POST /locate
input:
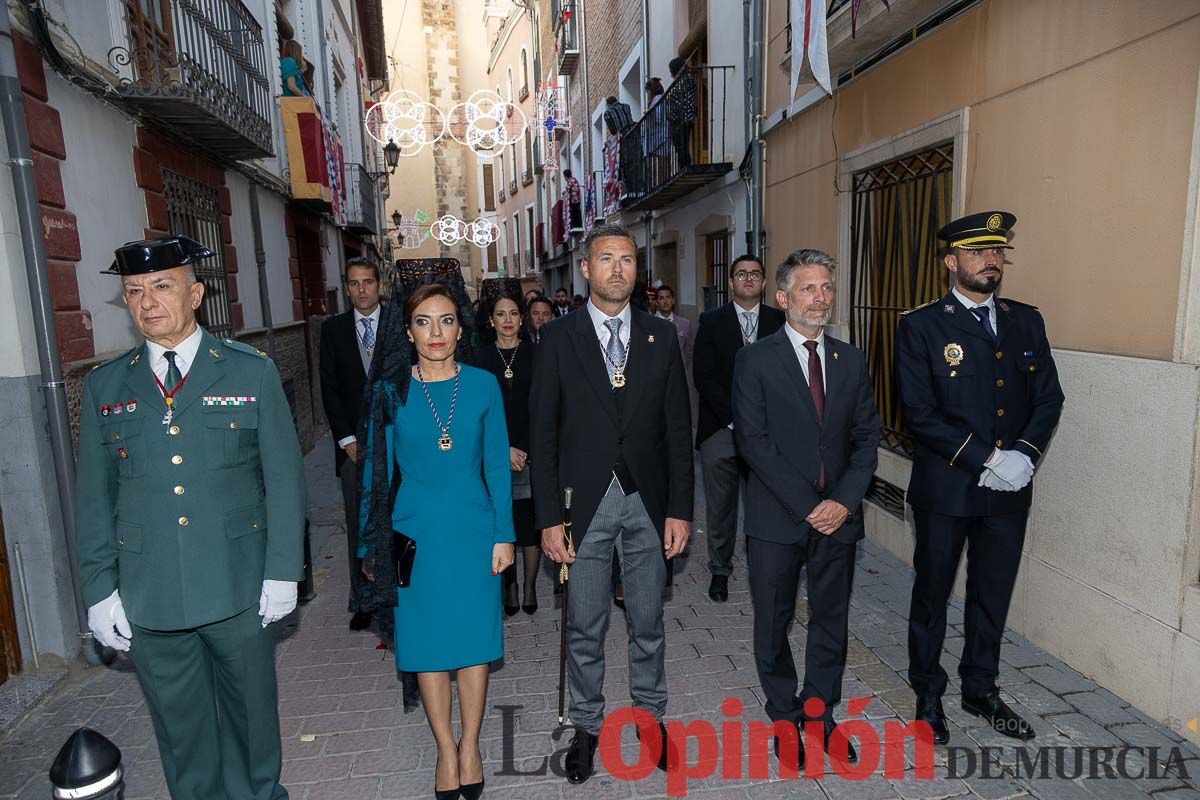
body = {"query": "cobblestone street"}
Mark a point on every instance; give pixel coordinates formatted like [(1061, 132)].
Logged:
[(345, 734)]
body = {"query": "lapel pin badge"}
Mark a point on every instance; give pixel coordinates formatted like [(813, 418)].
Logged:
[(1003, 305), (118, 408), (948, 308), (650, 338), (122, 452), (212, 352), (105, 410), (131, 406), (835, 355)]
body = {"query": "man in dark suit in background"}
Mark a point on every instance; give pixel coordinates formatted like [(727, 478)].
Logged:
[(613, 421), (805, 421), (722, 332), (981, 397), (347, 346)]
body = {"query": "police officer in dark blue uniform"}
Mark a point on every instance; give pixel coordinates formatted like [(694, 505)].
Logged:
[(981, 398)]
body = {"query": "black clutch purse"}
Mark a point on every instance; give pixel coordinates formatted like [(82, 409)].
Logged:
[(404, 550)]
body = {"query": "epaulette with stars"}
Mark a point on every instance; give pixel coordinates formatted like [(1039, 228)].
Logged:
[(244, 348)]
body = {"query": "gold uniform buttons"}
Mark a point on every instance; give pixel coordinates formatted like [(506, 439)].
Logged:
[(183, 521), (176, 459), (255, 526), (120, 542), (999, 443), (233, 426), (179, 490), (116, 437), (1000, 383), (999, 412), (1032, 368), (999, 355), (173, 430), (953, 373)]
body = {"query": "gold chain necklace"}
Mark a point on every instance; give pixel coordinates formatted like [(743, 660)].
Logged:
[(508, 370)]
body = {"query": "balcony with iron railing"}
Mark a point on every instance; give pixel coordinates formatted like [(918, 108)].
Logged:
[(566, 35), (361, 208), (680, 143), (199, 68)]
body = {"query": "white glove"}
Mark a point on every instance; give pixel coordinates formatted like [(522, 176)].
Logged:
[(989, 480), (1011, 467), (278, 599), (109, 624)]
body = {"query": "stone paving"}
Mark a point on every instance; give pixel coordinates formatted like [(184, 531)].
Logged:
[(345, 734)]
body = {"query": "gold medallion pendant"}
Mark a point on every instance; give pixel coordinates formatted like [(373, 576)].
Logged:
[(508, 373), (618, 379), (445, 442)]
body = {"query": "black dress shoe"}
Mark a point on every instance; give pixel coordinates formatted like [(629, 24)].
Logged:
[(360, 621), (718, 588), (446, 794), (530, 606), (472, 791), (929, 709), (851, 753), (1002, 718), (668, 753), (581, 756), (799, 749)]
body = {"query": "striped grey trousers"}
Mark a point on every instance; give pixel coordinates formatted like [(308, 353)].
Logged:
[(621, 520)]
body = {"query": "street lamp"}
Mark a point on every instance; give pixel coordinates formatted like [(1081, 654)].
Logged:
[(397, 218), (391, 158)]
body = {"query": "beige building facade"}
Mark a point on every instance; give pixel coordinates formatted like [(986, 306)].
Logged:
[(1081, 118)]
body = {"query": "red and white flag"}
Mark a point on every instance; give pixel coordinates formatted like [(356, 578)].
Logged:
[(809, 38)]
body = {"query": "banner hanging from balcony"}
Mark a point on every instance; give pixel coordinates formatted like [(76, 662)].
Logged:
[(810, 39), (612, 176), (313, 153)]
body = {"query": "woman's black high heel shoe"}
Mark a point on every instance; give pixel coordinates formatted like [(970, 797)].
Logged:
[(472, 791), (448, 794), (510, 599), (528, 606)]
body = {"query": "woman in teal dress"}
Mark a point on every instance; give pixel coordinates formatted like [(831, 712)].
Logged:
[(449, 444)]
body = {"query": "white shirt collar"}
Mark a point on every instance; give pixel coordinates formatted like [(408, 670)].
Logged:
[(599, 318), (660, 315), (739, 310), (185, 354), (373, 316), (969, 303), (798, 339)]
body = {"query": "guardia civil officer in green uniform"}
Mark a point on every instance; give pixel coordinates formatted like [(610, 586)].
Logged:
[(190, 520), (981, 398)]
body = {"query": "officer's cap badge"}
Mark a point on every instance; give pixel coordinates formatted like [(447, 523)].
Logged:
[(953, 354), (948, 308)]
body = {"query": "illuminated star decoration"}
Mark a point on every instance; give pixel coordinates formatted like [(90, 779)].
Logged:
[(404, 118)]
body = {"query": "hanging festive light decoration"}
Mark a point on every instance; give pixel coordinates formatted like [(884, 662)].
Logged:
[(553, 121), (487, 123), (450, 230), (405, 119)]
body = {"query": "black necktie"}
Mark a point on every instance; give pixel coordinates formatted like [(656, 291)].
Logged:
[(985, 319), (173, 374)]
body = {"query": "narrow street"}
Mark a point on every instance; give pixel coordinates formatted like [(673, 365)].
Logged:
[(345, 734)]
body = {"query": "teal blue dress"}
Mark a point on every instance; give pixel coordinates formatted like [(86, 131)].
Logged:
[(456, 504)]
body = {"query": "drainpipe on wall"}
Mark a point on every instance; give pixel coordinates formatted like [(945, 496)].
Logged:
[(754, 100), (538, 169), (12, 110), (260, 261)]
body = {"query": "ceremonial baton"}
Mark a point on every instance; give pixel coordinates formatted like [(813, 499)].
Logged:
[(564, 575)]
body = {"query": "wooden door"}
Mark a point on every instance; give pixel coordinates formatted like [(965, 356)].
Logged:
[(10, 646)]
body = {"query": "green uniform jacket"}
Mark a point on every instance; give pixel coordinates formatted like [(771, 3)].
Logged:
[(187, 520)]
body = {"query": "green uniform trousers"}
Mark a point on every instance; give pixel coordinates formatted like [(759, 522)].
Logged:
[(212, 696)]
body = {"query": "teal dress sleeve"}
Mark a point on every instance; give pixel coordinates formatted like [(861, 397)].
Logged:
[(366, 467), (497, 470)]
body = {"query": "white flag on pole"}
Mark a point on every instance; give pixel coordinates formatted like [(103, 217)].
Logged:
[(809, 37)]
